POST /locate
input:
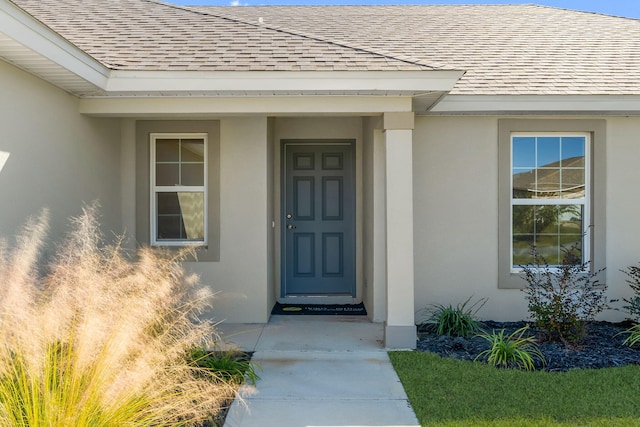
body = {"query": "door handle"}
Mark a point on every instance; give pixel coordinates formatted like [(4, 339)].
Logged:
[(290, 227)]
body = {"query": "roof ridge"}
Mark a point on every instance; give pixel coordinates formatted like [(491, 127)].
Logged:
[(382, 53)]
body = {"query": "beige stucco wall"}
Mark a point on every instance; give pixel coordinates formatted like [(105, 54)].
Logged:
[(456, 210), (240, 278), (57, 158), (623, 201)]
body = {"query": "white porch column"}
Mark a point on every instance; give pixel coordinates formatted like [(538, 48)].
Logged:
[(400, 329)]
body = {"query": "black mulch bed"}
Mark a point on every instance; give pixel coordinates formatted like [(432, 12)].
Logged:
[(602, 347)]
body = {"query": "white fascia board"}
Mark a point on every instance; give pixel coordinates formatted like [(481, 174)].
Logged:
[(479, 104), (272, 106), (286, 81), (26, 30)]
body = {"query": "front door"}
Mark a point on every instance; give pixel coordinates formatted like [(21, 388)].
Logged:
[(318, 255)]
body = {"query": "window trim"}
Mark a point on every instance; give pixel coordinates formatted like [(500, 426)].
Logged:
[(597, 130), (585, 201), (155, 189)]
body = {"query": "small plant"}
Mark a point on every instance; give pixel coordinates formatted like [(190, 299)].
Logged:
[(456, 321), (633, 307), (633, 335), (514, 350), (230, 366), (563, 299)]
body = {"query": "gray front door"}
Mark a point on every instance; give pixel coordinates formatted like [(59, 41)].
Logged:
[(318, 225)]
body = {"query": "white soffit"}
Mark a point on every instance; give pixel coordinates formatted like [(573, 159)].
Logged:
[(533, 104), (34, 47)]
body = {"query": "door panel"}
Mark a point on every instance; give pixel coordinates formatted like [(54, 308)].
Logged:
[(319, 219)]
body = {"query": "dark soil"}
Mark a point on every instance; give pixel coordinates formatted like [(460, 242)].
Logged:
[(601, 348)]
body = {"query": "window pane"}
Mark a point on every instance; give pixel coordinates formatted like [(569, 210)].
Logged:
[(548, 183), (549, 249), (193, 174), (573, 149), (167, 150), (524, 152), (170, 227), (524, 184), (522, 249), (168, 204), (548, 152), (192, 150), (168, 174), (180, 216), (523, 220)]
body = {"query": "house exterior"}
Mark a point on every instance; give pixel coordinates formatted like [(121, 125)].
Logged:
[(399, 156)]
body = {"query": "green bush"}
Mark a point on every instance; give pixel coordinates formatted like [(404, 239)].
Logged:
[(98, 339), (235, 367), (456, 321), (514, 350), (563, 299)]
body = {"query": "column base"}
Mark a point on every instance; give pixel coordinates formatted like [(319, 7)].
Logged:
[(400, 337)]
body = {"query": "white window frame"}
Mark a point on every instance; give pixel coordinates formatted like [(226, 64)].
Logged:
[(155, 189), (584, 201)]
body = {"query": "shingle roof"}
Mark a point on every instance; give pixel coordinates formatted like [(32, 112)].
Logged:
[(505, 49), (149, 35)]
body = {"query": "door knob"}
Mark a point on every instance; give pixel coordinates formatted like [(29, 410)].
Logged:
[(290, 227)]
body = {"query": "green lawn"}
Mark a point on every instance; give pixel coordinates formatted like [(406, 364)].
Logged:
[(446, 392)]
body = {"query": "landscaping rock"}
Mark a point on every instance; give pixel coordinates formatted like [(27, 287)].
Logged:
[(601, 348)]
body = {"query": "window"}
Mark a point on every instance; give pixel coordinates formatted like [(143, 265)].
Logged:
[(549, 196), (551, 193), (178, 189)]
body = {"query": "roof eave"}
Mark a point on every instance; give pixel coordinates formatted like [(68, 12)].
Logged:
[(279, 82), (588, 104), (34, 47)]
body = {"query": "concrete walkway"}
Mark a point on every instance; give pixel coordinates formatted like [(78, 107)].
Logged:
[(318, 371)]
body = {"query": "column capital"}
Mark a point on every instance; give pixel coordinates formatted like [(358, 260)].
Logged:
[(398, 121)]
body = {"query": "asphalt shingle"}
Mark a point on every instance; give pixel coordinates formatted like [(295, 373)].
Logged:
[(504, 49), (148, 35)]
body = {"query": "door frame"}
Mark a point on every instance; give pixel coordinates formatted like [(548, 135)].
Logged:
[(316, 299)]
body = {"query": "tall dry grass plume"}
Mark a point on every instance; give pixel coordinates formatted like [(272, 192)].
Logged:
[(100, 339)]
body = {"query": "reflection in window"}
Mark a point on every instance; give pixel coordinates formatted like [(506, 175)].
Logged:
[(549, 195), (178, 189)]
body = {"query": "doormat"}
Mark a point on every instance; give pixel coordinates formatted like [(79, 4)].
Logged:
[(330, 309)]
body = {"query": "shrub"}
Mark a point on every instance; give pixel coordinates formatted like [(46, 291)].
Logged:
[(235, 367), (98, 340), (563, 299), (514, 350), (633, 307), (455, 321)]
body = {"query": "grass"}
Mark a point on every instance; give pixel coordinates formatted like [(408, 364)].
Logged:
[(100, 338), (447, 392)]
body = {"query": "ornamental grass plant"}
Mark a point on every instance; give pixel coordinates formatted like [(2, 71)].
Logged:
[(458, 321), (513, 350), (99, 338)]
